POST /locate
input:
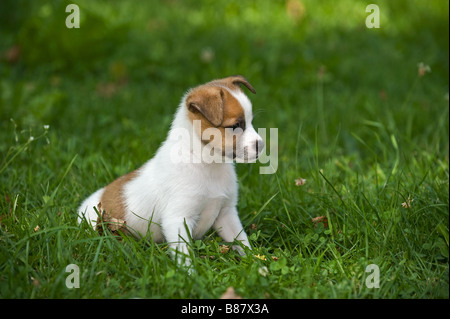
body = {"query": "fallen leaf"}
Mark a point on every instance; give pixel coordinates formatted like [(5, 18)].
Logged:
[(223, 249), (262, 257), (320, 219), (408, 202), (230, 294), (116, 224), (111, 223)]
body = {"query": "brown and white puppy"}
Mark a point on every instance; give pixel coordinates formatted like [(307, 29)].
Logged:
[(190, 185)]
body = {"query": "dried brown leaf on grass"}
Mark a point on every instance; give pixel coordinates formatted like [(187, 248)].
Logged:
[(300, 181), (320, 219), (230, 293), (114, 225), (223, 249), (408, 202)]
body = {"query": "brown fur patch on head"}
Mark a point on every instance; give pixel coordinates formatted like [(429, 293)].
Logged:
[(112, 200), (215, 107), (213, 101)]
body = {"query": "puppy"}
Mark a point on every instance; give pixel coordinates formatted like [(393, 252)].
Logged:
[(190, 185)]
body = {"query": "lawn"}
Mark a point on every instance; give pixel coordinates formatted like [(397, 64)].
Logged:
[(363, 145)]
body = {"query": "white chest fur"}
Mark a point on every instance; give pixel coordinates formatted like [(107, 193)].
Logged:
[(158, 196)]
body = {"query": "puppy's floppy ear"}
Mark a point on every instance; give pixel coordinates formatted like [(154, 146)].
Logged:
[(208, 101)]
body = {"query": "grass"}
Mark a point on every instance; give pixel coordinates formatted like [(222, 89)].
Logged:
[(354, 118)]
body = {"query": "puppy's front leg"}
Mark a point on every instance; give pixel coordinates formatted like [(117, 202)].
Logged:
[(229, 227), (176, 234)]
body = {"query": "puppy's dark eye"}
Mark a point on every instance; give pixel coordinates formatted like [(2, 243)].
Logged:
[(240, 123), (234, 126)]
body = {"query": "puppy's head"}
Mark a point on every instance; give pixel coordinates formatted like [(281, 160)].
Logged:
[(224, 113)]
